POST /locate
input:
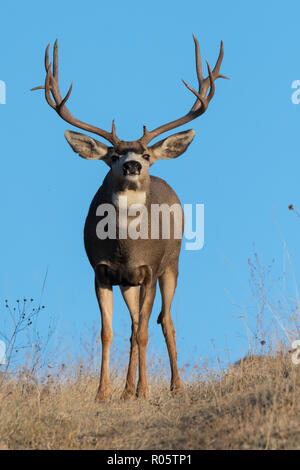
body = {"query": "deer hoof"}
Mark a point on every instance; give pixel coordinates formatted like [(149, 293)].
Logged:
[(142, 392), (127, 395), (103, 395), (176, 386)]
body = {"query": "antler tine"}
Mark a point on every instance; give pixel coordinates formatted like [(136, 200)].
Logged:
[(196, 93), (55, 60), (46, 63), (47, 88), (67, 96), (198, 60), (217, 67), (202, 101), (212, 83), (205, 83), (47, 57), (113, 129), (51, 87)]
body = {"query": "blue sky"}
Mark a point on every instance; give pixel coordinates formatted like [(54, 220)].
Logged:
[(127, 60)]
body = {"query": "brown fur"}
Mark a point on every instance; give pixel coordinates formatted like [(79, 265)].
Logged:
[(133, 263), (137, 263)]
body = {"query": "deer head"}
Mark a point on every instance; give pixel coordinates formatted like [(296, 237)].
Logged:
[(130, 161)]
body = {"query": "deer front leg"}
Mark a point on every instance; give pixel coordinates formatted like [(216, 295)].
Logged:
[(131, 297), (105, 300), (147, 295), (167, 284)]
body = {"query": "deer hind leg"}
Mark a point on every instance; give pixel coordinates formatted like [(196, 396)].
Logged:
[(105, 300), (131, 297), (147, 295), (167, 284)]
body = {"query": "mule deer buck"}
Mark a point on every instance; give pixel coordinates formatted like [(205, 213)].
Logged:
[(133, 264)]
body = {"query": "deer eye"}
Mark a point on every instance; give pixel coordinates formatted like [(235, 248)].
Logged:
[(146, 157), (114, 158)]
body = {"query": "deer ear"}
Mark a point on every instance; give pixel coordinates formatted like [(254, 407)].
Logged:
[(87, 147), (172, 146)]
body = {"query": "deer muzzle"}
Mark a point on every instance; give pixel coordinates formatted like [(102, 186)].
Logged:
[(132, 168)]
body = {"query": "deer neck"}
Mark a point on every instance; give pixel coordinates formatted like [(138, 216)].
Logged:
[(129, 193)]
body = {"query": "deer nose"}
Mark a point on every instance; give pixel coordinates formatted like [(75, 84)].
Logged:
[(132, 168)]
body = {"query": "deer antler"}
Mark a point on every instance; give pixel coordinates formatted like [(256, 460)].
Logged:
[(51, 87), (202, 101)]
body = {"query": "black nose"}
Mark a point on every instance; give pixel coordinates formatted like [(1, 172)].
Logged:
[(132, 168)]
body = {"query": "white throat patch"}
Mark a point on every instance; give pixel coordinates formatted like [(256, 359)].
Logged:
[(132, 197)]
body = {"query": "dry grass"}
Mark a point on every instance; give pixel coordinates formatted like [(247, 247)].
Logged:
[(254, 405)]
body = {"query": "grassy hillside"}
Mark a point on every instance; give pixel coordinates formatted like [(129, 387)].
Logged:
[(254, 405)]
